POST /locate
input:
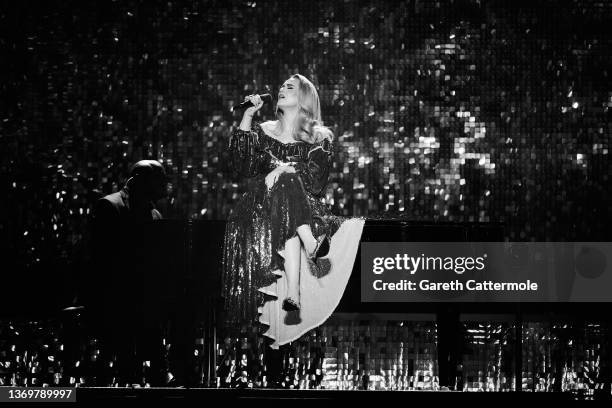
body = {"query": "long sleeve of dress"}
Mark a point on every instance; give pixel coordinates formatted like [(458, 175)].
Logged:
[(248, 158), (314, 172)]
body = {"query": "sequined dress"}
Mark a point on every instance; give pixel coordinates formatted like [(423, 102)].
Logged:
[(262, 220)]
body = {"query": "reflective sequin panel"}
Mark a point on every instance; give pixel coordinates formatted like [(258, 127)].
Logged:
[(468, 111)]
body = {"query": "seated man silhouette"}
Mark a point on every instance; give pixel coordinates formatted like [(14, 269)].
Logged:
[(130, 332), (135, 202)]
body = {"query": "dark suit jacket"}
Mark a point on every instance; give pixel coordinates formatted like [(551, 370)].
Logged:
[(116, 207), (122, 270)]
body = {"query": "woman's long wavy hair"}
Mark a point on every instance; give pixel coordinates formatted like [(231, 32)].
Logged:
[(308, 125)]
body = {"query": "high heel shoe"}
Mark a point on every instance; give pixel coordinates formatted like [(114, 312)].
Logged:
[(290, 305), (322, 248)]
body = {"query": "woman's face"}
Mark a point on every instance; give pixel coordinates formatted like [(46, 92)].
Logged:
[(288, 94)]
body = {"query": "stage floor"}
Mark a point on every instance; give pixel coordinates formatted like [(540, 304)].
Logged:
[(346, 396)]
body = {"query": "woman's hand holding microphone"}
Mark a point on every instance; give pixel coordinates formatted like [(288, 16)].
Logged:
[(257, 104), (249, 112)]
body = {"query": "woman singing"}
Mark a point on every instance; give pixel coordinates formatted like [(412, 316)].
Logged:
[(286, 258)]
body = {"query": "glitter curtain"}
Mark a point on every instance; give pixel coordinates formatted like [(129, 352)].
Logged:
[(466, 111), (488, 361), (462, 111), (341, 354), (564, 357)]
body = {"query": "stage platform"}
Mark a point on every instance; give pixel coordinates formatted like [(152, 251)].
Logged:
[(180, 295)]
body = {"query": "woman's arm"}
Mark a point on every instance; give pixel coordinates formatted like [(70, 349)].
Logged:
[(247, 119), (314, 172), (247, 157)]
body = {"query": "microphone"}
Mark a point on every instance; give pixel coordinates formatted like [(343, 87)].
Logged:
[(265, 98)]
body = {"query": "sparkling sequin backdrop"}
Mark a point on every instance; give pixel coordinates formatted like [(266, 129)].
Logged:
[(458, 111), (342, 354), (453, 111)]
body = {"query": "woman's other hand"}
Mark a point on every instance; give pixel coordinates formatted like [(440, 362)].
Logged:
[(274, 174)]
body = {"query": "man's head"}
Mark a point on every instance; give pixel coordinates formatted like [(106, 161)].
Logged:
[(148, 180)]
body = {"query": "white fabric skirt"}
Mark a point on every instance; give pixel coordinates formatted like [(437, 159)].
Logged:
[(320, 292)]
